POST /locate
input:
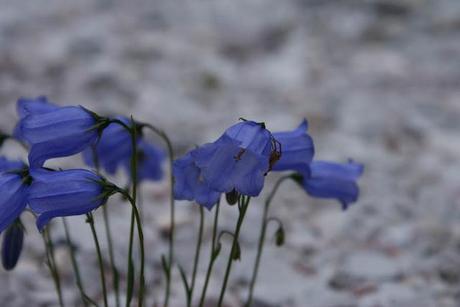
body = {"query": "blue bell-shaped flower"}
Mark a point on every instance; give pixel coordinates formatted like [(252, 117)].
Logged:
[(239, 159), (334, 180), (64, 193), (189, 184)]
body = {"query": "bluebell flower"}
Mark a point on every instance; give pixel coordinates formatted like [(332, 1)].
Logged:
[(28, 106), (238, 160), (149, 159), (189, 184), (13, 240), (334, 180), (113, 148), (297, 149), (64, 193), (61, 132), (14, 187)]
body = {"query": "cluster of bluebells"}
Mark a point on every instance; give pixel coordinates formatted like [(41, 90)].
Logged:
[(50, 131), (236, 164), (239, 160)]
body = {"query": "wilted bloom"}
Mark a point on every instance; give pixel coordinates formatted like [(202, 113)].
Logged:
[(60, 132), (112, 149), (189, 184), (239, 159), (64, 193), (28, 106), (14, 186), (334, 180), (149, 161), (13, 240), (297, 149)]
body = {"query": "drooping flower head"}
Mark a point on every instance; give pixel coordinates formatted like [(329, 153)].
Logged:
[(189, 184), (64, 193), (54, 132), (112, 149), (297, 147), (239, 159), (12, 244), (333, 180)]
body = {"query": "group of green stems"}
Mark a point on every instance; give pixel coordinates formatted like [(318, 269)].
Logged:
[(167, 263)]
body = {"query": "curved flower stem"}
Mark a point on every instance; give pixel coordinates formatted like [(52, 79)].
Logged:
[(165, 138), (138, 222), (108, 233), (213, 255), (90, 220), (135, 216), (243, 208), (197, 257), (261, 242), (51, 262), (85, 299)]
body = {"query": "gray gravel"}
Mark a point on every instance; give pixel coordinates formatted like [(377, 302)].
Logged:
[(379, 81)]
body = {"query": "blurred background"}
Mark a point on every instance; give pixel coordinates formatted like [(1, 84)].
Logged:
[(378, 80)]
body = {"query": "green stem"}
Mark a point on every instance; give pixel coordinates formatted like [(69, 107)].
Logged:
[(51, 262), (261, 242), (243, 208), (197, 256), (135, 218), (138, 221), (85, 299), (108, 233), (165, 138), (212, 257), (90, 220)]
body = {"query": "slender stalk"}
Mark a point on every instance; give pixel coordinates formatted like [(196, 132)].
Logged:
[(135, 218), (243, 208), (108, 233), (165, 138), (90, 220), (261, 242), (141, 241), (51, 262), (212, 257), (75, 268), (197, 257)]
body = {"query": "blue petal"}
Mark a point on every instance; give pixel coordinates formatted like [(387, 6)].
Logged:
[(113, 148), (297, 149), (14, 197), (62, 122), (39, 105), (12, 245), (150, 159), (28, 106), (251, 136), (64, 193), (63, 147), (189, 185), (334, 180), (8, 165), (226, 166)]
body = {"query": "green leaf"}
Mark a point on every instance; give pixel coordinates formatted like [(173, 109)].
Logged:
[(184, 279)]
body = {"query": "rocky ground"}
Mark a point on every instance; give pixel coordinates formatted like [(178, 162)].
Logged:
[(379, 81)]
